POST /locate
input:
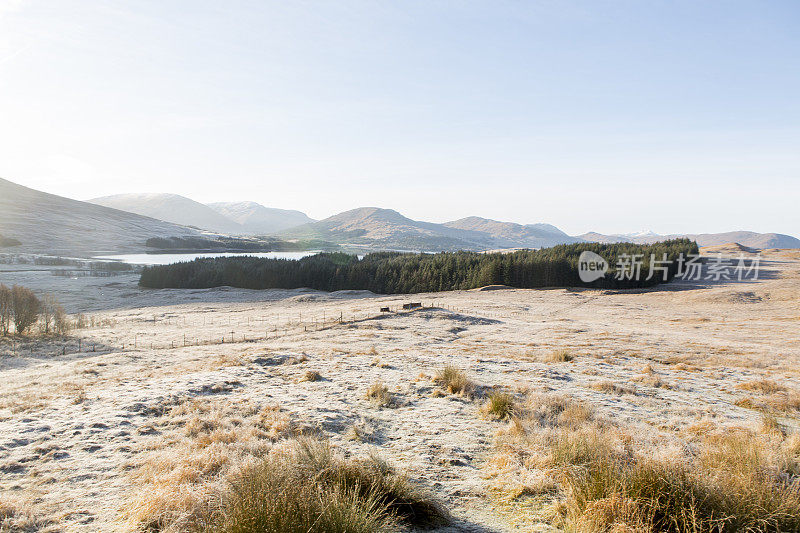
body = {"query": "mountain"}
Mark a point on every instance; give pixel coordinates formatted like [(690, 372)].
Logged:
[(593, 236), (254, 218), (511, 235), (52, 224), (171, 208), (373, 227), (749, 239), (376, 228)]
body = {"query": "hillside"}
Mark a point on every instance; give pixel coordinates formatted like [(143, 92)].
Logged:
[(511, 235), (255, 218), (171, 208), (48, 223), (748, 239), (593, 236), (376, 228)]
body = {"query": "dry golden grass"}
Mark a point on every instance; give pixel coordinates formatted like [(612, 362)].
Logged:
[(217, 480), (770, 424), (17, 515), (24, 402), (763, 386), (551, 410), (454, 380), (651, 380), (558, 356), (609, 387), (311, 375), (183, 474), (592, 477), (307, 487), (779, 402), (379, 395)]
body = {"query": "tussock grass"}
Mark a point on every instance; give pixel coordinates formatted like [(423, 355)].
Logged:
[(499, 405), (454, 380), (551, 410), (763, 386), (652, 380), (310, 488), (379, 394), (770, 424), (729, 488), (597, 478), (609, 387), (228, 475), (311, 375), (182, 477), (18, 516), (779, 402), (558, 356)]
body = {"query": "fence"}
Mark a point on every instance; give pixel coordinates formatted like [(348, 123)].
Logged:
[(260, 329)]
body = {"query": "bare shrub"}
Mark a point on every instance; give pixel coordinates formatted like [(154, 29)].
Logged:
[(26, 308), (53, 319), (6, 309), (61, 325)]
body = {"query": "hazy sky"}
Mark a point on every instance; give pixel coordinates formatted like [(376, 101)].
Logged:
[(609, 116)]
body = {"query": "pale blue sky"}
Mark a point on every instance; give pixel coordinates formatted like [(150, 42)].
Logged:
[(675, 116)]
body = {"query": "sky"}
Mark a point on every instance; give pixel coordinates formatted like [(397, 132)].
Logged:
[(609, 116)]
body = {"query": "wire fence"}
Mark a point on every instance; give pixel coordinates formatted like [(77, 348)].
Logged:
[(256, 329)]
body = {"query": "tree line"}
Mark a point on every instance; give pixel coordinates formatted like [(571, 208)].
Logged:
[(405, 273), (21, 309)]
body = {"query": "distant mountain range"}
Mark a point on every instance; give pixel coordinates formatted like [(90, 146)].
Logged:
[(170, 208), (238, 218), (511, 235), (46, 223), (373, 227), (52, 224), (749, 239)]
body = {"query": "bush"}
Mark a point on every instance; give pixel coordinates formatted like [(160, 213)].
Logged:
[(6, 309), (26, 308)]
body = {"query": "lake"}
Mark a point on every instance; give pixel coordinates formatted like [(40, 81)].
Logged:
[(168, 259)]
